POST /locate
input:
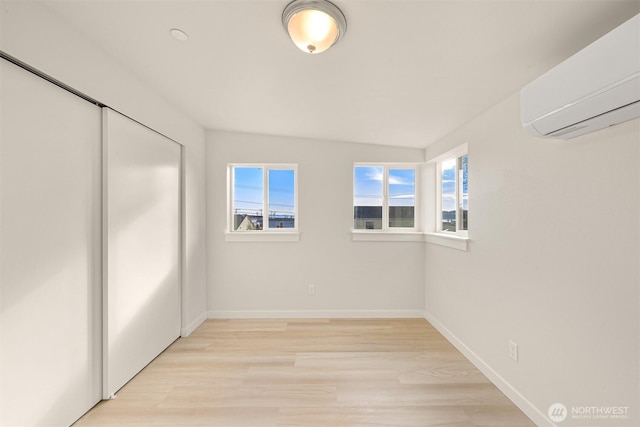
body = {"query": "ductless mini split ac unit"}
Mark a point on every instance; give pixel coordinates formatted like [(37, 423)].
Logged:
[(597, 87)]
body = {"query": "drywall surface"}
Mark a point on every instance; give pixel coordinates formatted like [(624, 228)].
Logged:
[(552, 265), (30, 32), (351, 278)]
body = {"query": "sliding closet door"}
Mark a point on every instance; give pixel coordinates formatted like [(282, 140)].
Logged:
[(50, 252), (142, 282)]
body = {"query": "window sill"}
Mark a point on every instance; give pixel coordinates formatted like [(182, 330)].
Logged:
[(386, 236), (262, 236), (448, 240)]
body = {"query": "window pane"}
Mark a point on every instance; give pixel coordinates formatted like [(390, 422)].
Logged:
[(367, 197), (449, 195), (248, 194), (281, 198), (402, 197), (464, 202)]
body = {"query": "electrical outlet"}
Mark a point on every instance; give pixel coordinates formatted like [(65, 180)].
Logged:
[(312, 289), (513, 350)]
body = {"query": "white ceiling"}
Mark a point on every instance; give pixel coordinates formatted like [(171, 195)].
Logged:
[(407, 72)]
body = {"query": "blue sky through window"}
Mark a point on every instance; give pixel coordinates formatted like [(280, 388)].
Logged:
[(281, 192), (248, 190), (465, 176), (402, 187), (449, 185), (368, 185)]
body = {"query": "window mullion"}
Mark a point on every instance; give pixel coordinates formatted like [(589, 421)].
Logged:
[(460, 194), (296, 215), (231, 208), (456, 194), (265, 199), (385, 198), (439, 196)]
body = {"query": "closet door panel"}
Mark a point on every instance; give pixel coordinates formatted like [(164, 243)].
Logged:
[(50, 252), (143, 286)]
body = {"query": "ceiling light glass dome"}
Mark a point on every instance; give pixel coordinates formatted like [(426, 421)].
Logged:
[(314, 25)]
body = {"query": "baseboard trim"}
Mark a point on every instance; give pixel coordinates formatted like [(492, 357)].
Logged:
[(188, 330), (514, 395), (315, 314)]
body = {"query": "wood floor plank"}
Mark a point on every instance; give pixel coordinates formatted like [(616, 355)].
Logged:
[(309, 372), (367, 417)]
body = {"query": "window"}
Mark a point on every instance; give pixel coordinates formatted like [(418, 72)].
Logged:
[(453, 192), (254, 187), (384, 197)]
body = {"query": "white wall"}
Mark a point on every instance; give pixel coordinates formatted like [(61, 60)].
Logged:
[(34, 35), (271, 279), (552, 264)]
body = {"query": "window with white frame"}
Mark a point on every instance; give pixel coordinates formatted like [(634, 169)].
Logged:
[(263, 197), (384, 197), (453, 192)]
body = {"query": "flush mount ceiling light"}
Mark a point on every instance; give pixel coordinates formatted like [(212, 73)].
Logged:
[(314, 25)]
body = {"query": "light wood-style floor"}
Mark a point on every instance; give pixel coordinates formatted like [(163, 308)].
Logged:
[(328, 372)]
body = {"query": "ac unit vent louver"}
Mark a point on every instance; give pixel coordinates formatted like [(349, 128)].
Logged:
[(593, 89)]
